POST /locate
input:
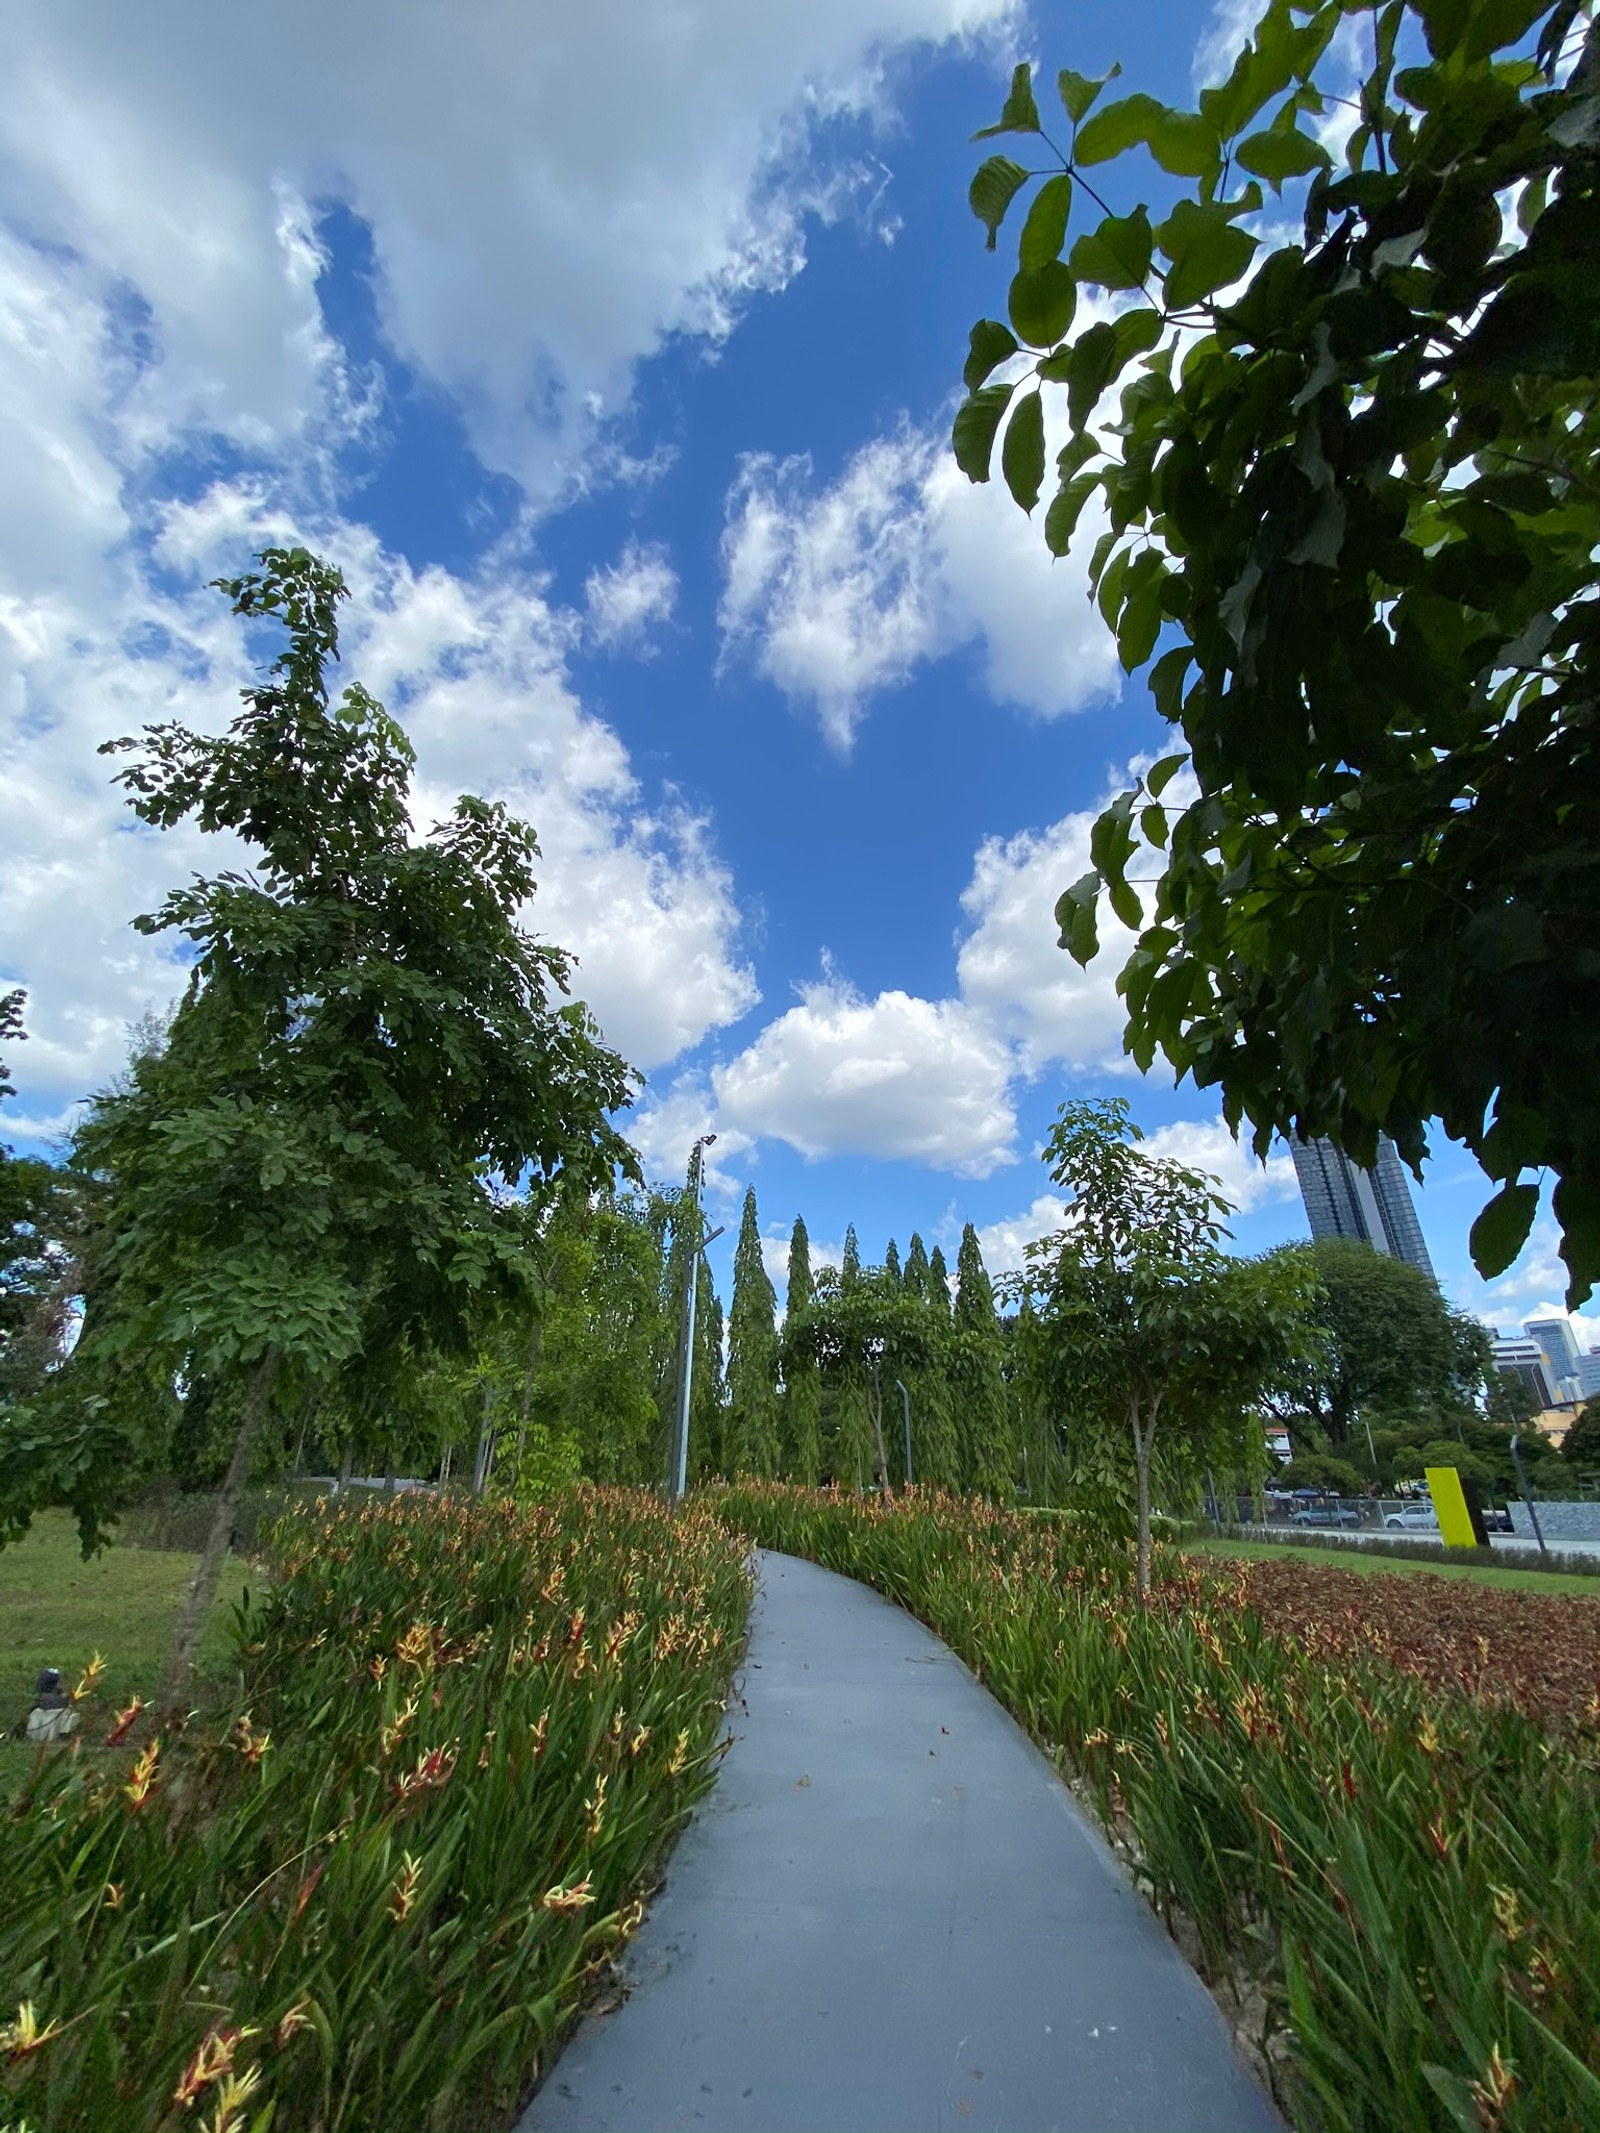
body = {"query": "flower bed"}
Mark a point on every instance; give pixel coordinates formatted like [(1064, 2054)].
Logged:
[(372, 1889), (1332, 1791)]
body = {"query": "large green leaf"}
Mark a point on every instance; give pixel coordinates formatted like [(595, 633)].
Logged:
[(1045, 230), (1020, 113), (1117, 254), (1078, 92), (1042, 302), (991, 343), (1022, 454), (995, 184), (1066, 506), (1502, 1227), (1280, 155), (1075, 915), (1206, 248), (973, 434), (1185, 144), (1118, 127)]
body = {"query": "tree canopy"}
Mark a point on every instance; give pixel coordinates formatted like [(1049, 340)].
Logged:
[(1350, 498)]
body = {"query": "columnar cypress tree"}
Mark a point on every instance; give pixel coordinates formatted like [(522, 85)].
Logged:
[(802, 1380), (915, 1276), (939, 1283), (854, 1452), (707, 1397), (751, 1440), (977, 1382), (851, 1269), (891, 1261)]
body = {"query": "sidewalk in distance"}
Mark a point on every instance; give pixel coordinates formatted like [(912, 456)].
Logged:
[(890, 1917)]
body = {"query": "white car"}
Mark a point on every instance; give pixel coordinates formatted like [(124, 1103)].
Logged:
[(1412, 1518)]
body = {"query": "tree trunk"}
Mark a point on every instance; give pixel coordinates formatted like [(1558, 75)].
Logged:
[(1143, 1444), (480, 1470), (347, 1465), (203, 1585), (875, 1411), (535, 1342)]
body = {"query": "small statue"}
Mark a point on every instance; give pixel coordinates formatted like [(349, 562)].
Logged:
[(52, 1717)]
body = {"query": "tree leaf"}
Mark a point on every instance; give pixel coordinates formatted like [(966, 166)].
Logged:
[(1020, 113), (1089, 367), (991, 343), (1502, 1227), (995, 184), (1185, 144), (1160, 775), (1119, 126), (1117, 254), (1066, 506), (972, 436), (1276, 156), (1075, 916), (1041, 303), (1078, 92), (1022, 454), (1045, 230), (1206, 248)]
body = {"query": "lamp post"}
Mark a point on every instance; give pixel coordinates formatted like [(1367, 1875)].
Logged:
[(1527, 1493), (680, 1478)]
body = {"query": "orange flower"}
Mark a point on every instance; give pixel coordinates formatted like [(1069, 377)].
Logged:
[(125, 1718), (575, 1896), (142, 1783), (404, 1893), (232, 2097), (91, 1674), (209, 2064), (295, 2019)]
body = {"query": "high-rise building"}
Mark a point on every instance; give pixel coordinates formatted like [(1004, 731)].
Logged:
[(1522, 1358), (1374, 1206), (1589, 1375), (1561, 1354)]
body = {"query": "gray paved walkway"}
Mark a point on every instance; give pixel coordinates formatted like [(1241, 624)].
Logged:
[(890, 1917)]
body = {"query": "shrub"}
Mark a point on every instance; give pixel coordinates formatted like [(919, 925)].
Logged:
[(371, 1888)]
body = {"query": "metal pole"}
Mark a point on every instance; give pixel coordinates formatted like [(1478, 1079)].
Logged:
[(1372, 1449), (905, 1409), (681, 1476), (1527, 1493)]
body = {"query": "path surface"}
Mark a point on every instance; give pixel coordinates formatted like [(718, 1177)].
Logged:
[(889, 1916)]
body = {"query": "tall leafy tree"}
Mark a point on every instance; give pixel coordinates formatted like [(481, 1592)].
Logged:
[(850, 1262), (891, 1261), (938, 1283), (368, 1061), (976, 1378), (915, 1274), (1143, 1323), (1580, 1447), (753, 1427), (1352, 495), (1393, 1345), (865, 1335), (802, 1377), (40, 1215)]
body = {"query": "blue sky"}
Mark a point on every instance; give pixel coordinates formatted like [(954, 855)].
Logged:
[(612, 353)]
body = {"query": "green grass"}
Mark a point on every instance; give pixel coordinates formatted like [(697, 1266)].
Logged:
[(58, 1610), (1357, 1559)]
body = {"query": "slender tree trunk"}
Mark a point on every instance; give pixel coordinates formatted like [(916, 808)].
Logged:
[(875, 1410), (203, 1585), (535, 1342), (347, 1465)]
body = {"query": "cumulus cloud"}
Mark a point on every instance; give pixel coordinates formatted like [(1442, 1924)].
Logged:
[(668, 1122), (639, 590), (1004, 1244), (531, 243), (894, 1077), (1209, 1145), (841, 591)]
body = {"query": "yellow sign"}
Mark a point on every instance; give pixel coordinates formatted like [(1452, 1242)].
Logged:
[(1450, 1506)]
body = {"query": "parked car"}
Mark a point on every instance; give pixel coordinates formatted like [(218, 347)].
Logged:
[(1412, 1518), (1497, 1521), (1325, 1514)]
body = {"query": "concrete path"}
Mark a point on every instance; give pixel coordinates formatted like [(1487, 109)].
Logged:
[(889, 1916)]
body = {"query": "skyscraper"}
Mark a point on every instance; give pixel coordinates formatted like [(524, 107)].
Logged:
[(1343, 1200), (1561, 1353)]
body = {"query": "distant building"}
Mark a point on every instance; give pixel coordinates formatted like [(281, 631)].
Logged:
[(1561, 1355), (1520, 1357), (1589, 1375), (1372, 1206)]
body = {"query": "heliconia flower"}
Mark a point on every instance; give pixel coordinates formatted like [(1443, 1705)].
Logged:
[(91, 1674), (125, 1718), (209, 2064), (1494, 2091), (111, 1895), (541, 1726), (20, 2038), (430, 1773), (295, 2019), (142, 1782), (680, 1755), (250, 1744), (306, 1890), (404, 1893), (575, 1896), (232, 2097)]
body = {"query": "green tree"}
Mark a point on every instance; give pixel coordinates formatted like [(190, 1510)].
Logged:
[(973, 1370), (850, 1264), (938, 1283), (366, 1068), (40, 1213), (1580, 1448), (1142, 1320), (915, 1271), (802, 1379), (864, 1334), (891, 1261), (1353, 493), (1393, 1345), (754, 1423)]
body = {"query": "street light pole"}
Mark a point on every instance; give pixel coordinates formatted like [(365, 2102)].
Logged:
[(1527, 1493), (680, 1478)]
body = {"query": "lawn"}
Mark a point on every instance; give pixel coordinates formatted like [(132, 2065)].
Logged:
[(1545, 1581), (58, 1610)]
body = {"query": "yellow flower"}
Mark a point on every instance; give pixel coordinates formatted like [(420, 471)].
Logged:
[(232, 2097), (23, 2036), (575, 1896), (91, 1674)]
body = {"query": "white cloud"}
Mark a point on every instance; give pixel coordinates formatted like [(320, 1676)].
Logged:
[(1209, 1145), (841, 592), (666, 1126), (1524, 1292), (550, 194), (893, 1077), (639, 589), (475, 669), (1004, 1243)]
